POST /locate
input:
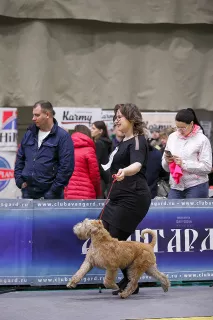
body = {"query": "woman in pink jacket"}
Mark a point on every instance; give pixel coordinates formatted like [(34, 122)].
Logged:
[(188, 158), (85, 181)]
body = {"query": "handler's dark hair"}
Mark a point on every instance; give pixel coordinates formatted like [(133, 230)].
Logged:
[(46, 106), (187, 116), (83, 129), (131, 112)]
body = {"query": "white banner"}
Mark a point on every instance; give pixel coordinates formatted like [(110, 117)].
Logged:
[(107, 117), (68, 118), (159, 120), (8, 129), (8, 189), (207, 127), (153, 120)]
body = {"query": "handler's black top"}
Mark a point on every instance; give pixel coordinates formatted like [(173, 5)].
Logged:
[(129, 199)]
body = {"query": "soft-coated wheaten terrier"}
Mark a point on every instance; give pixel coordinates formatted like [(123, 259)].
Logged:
[(108, 253)]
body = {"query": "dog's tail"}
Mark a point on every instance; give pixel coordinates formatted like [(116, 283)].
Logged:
[(154, 237)]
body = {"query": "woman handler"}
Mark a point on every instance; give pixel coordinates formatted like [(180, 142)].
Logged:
[(130, 196)]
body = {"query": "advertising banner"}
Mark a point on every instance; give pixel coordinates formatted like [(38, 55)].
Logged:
[(159, 120), (107, 117), (153, 120), (15, 241), (68, 117), (8, 189), (8, 147), (8, 129), (38, 246), (207, 127)]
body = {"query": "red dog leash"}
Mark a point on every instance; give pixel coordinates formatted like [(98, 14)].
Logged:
[(114, 180)]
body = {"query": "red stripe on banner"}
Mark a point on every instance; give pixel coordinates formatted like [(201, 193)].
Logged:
[(73, 122), (6, 115), (6, 174)]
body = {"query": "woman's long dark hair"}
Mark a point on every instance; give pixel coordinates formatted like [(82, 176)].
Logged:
[(187, 116), (100, 125), (132, 114)]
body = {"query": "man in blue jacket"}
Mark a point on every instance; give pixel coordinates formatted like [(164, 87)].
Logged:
[(45, 159)]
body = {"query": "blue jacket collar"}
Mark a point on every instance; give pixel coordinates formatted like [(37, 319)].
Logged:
[(35, 129)]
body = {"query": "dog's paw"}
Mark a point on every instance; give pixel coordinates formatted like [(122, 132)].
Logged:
[(111, 285), (165, 288), (123, 295), (114, 286), (71, 284)]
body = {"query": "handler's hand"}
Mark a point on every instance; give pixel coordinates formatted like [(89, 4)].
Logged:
[(120, 175)]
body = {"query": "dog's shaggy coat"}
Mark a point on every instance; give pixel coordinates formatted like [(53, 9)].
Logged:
[(108, 253)]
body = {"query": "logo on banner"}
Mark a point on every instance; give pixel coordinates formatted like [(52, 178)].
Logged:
[(8, 128), (9, 120), (6, 173), (68, 117)]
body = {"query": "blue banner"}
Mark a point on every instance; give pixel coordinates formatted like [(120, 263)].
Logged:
[(38, 246), (15, 241)]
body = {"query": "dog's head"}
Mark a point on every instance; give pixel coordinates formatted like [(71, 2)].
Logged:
[(83, 230)]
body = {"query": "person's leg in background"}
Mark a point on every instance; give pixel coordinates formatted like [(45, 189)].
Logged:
[(176, 194), (199, 191)]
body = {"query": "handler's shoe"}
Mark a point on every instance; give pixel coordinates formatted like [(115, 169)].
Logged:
[(122, 285)]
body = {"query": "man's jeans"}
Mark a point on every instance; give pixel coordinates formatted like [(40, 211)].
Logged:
[(30, 193)]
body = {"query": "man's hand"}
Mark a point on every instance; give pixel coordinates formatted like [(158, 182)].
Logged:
[(24, 185), (49, 195)]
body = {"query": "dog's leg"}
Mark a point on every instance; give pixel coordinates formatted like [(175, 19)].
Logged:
[(85, 267), (134, 274), (154, 272), (109, 280)]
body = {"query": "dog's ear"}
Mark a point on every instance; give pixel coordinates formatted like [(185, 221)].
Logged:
[(96, 226)]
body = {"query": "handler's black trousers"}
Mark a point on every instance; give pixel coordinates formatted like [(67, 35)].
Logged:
[(115, 232), (120, 235)]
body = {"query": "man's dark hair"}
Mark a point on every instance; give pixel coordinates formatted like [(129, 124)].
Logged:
[(45, 106)]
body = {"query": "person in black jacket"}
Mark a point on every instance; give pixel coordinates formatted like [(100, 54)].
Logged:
[(45, 158), (117, 137), (103, 149), (154, 169)]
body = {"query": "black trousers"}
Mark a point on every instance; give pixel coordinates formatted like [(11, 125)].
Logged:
[(115, 232)]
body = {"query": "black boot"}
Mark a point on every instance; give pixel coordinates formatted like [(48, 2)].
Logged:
[(122, 287), (122, 284), (136, 290), (116, 292)]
